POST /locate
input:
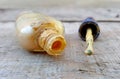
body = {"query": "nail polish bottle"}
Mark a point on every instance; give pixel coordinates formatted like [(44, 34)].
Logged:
[(37, 32)]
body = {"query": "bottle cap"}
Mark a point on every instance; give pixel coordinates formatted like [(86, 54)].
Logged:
[(89, 23)]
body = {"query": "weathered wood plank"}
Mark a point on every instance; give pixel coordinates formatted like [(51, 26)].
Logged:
[(17, 63), (65, 14)]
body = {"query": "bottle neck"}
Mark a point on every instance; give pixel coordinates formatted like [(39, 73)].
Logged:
[(52, 42)]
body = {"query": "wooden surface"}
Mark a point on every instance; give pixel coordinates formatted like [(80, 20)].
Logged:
[(17, 63), (58, 3)]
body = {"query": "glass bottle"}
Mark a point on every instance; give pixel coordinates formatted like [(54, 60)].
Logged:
[(37, 32)]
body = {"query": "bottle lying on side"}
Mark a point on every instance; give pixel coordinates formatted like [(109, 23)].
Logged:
[(37, 32)]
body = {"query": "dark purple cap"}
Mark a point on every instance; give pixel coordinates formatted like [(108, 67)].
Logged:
[(89, 23)]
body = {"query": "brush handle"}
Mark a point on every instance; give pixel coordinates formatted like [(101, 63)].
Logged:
[(89, 41)]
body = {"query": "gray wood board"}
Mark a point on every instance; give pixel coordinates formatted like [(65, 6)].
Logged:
[(17, 63), (66, 14)]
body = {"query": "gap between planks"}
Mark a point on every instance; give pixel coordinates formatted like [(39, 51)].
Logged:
[(72, 21)]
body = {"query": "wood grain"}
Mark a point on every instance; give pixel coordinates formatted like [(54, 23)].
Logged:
[(66, 14), (17, 63)]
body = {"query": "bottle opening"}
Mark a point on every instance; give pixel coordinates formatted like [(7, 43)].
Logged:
[(56, 45), (52, 42)]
